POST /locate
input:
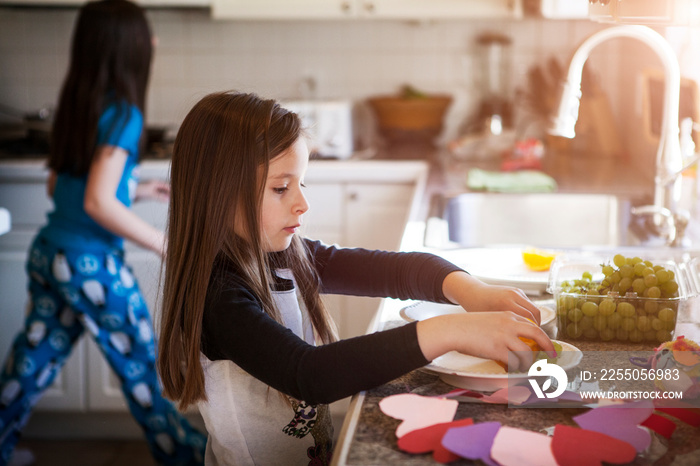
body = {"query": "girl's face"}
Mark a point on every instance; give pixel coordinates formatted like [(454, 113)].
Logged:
[(283, 201)]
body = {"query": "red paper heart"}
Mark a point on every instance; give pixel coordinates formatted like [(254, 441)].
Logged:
[(690, 416), (429, 439), (580, 447), (660, 425)]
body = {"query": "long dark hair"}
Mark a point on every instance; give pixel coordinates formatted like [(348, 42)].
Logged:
[(219, 166), (110, 59)]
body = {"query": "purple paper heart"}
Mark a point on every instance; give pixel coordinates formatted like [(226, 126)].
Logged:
[(472, 442), (620, 422)]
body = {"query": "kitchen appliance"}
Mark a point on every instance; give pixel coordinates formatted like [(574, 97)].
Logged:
[(328, 124)]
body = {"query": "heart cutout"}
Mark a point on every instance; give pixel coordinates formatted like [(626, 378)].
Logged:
[(518, 447), (429, 439), (582, 447), (620, 422), (472, 442), (660, 425), (417, 411)]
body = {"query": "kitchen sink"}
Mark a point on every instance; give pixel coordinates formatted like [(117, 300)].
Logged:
[(558, 220)]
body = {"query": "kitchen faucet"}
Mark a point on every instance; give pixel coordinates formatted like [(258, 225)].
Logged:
[(667, 221)]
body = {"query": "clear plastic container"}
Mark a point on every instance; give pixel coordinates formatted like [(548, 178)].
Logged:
[(623, 306)]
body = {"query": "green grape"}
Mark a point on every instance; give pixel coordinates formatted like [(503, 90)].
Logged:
[(625, 284), (619, 260), (657, 324), (667, 315), (590, 333), (615, 277), (651, 280), (648, 263), (600, 322), (650, 335), (628, 323), (636, 336), (590, 309), (607, 307), (614, 321), (575, 315), (663, 275), (648, 271), (621, 334), (670, 287), (653, 292), (663, 335), (652, 307), (608, 270), (626, 309), (607, 334), (627, 271), (573, 331), (636, 260), (587, 276), (638, 286), (586, 322), (643, 323), (639, 268)]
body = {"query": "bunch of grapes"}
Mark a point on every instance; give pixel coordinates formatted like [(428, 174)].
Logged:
[(635, 301)]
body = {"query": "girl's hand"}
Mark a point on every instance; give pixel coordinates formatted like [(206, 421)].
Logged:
[(153, 189), (489, 335), (476, 296)]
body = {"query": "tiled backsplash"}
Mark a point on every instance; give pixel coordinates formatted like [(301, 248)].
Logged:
[(348, 59)]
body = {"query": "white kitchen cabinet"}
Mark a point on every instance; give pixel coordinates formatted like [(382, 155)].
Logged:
[(77, 3), (564, 9), (86, 382), (362, 205), (366, 9)]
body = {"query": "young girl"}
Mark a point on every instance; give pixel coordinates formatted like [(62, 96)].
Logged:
[(78, 279), (244, 333)]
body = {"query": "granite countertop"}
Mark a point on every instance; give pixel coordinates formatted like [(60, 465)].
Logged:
[(368, 437), (368, 434)]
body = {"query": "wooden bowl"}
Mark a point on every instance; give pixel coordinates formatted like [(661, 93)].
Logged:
[(415, 117)]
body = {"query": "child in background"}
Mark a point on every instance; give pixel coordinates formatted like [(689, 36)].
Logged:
[(77, 276), (244, 333)]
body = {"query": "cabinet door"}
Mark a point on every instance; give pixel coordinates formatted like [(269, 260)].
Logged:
[(324, 219), (441, 9), (66, 393), (375, 218), (282, 9), (104, 389)]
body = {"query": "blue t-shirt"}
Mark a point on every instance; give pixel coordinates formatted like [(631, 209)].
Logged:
[(120, 125)]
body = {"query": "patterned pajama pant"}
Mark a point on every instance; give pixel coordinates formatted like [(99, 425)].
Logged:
[(71, 291)]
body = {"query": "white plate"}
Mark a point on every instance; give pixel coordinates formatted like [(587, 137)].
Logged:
[(499, 266), (480, 374), (425, 310)]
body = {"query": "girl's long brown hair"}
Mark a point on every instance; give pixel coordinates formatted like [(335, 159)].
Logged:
[(219, 166), (110, 60)]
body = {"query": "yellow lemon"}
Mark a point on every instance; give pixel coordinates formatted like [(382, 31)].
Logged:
[(538, 260)]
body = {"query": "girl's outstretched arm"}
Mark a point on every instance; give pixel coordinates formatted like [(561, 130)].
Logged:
[(102, 205), (477, 296), (489, 335)]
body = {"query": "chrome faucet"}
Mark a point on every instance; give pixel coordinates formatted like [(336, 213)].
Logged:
[(668, 221)]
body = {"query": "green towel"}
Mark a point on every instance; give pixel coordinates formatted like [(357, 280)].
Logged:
[(523, 181)]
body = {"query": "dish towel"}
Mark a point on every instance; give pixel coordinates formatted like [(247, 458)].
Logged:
[(523, 181)]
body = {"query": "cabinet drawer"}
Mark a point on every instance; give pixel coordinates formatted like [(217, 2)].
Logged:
[(27, 202), (325, 205)]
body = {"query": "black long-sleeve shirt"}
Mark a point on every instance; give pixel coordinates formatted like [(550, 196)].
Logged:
[(236, 328)]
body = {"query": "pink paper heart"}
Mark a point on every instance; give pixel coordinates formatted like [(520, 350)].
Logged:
[(516, 395), (472, 442), (429, 439), (581, 447), (417, 411), (620, 422), (518, 447)]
